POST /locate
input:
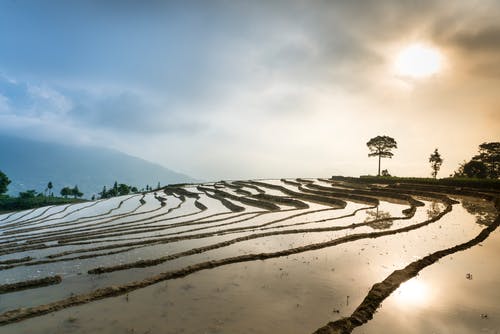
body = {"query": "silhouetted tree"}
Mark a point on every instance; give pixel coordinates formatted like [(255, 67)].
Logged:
[(117, 190), (76, 192), (385, 172), (113, 191), (485, 164), (49, 187), (436, 162), (489, 155), (460, 170), (381, 146), (475, 169), (28, 194), (4, 182), (66, 191), (123, 189), (103, 193)]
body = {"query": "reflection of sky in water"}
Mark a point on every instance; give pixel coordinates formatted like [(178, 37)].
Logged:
[(414, 292), (294, 294), (453, 303), (459, 294)]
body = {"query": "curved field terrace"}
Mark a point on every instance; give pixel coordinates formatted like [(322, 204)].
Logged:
[(266, 256)]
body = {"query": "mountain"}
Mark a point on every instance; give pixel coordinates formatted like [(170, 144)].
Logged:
[(32, 164)]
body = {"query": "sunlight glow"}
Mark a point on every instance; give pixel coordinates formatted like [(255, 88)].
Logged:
[(418, 61), (412, 292)]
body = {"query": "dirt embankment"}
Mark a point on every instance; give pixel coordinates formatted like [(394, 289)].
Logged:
[(31, 284)]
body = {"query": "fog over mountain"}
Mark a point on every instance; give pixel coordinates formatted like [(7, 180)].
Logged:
[(32, 164)]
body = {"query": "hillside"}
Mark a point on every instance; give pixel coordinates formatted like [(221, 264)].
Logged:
[(31, 165)]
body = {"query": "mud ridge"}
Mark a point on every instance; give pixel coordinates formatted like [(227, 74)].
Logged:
[(153, 262), (38, 243), (36, 283)]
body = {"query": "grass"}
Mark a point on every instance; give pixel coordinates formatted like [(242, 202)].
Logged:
[(17, 203), (487, 184)]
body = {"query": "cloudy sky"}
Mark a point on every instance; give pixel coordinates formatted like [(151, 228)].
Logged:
[(253, 89)]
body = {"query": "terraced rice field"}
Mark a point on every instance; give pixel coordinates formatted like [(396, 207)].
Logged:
[(268, 256)]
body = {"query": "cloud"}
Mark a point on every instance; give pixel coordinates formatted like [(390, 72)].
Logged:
[(128, 112), (118, 112), (225, 84), (47, 102), (485, 39), (36, 101)]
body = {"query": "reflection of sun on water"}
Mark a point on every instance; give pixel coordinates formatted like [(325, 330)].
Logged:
[(411, 293)]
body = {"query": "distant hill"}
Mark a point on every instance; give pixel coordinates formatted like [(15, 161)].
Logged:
[(31, 165)]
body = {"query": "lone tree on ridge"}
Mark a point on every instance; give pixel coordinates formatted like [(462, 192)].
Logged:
[(436, 162), (381, 146)]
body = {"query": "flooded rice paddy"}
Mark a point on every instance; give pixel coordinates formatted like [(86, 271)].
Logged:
[(269, 256)]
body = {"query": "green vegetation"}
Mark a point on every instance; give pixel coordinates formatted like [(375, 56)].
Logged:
[(28, 194), (119, 190), (381, 146), (4, 182), (30, 199), (48, 190), (20, 203), (75, 192), (451, 181)]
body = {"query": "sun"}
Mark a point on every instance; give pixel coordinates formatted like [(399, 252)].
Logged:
[(418, 61)]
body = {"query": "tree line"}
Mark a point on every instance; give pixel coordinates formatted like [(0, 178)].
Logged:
[(31, 198), (118, 189), (121, 189), (486, 164)]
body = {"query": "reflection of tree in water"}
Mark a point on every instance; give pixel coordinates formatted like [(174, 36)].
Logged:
[(380, 219), (485, 214), (434, 210)]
